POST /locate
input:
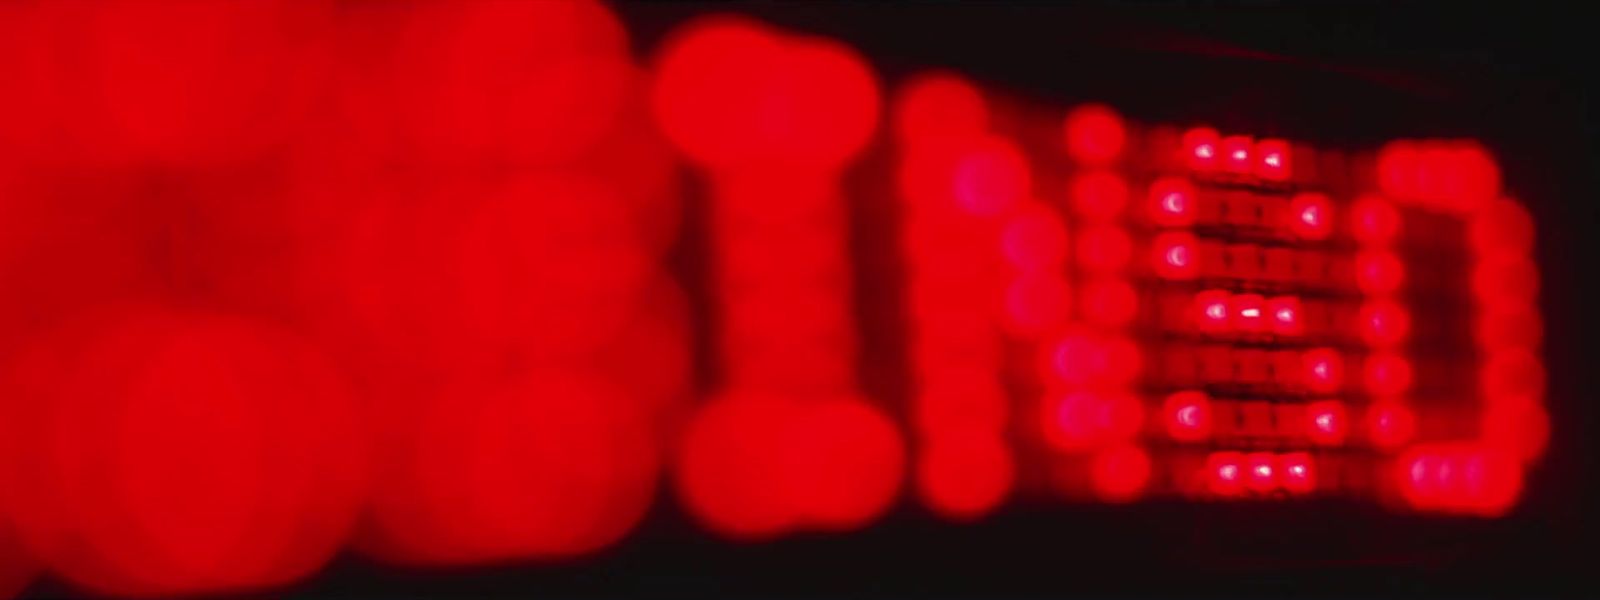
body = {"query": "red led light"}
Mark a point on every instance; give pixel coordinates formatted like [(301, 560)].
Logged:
[(1285, 314), (1296, 474), (1202, 149), (1325, 423), (1504, 281), (1273, 155), (1374, 220), (1390, 425), (1098, 195), (1225, 473), (1324, 370), (1082, 419), (1174, 255), (1235, 150), (1261, 472), (1034, 239), (1249, 312), (991, 177), (965, 476), (1037, 302), (1119, 474), (1172, 202), (1188, 416), (1460, 478), (1081, 359), (1502, 228), (1211, 311), (940, 108), (1513, 373), (1379, 272), (1383, 323), (1095, 134), (1386, 374), (1311, 216)]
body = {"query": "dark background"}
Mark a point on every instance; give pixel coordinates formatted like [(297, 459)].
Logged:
[(1516, 77)]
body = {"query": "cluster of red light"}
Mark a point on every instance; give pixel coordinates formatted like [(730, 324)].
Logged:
[(395, 277)]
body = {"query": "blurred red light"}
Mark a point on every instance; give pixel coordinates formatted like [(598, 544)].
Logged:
[(1324, 370), (1386, 374), (1384, 323), (1095, 134), (1202, 149), (1285, 313), (1390, 425), (1235, 150), (940, 108), (1295, 473), (1261, 474), (1103, 248), (1274, 160), (1109, 302), (1098, 195), (965, 476), (991, 177), (1379, 272), (1120, 474), (1211, 311), (1249, 313), (1225, 473), (1374, 220)]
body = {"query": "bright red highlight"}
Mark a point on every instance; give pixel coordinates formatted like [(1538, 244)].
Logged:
[(1202, 149), (1324, 370), (1249, 313), (1311, 216), (1187, 416), (1225, 474), (1390, 425), (1172, 202), (1296, 473), (1095, 134), (1285, 314), (1383, 323), (1235, 150), (1261, 472), (1174, 255), (1211, 311), (1273, 157), (1120, 473), (1459, 478), (1379, 272), (1098, 195), (1326, 424), (1386, 374)]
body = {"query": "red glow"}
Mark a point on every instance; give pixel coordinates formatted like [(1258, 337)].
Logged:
[(1374, 220), (1188, 416), (1119, 474), (1172, 202), (1325, 423), (1379, 272), (1383, 323), (1095, 134), (1080, 359), (1273, 155), (1034, 239), (940, 108), (1324, 370), (1296, 473), (726, 475), (1460, 478), (1202, 149), (1235, 151), (1311, 216), (1502, 228), (965, 476), (1386, 374), (1098, 195), (1174, 255), (1513, 373), (1249, 312), (1037, 302), (844, 463), (1285, 313), (1503, 282), (1211, 311), (1390, 425), (1225, 473), (1104, 248), (1109, 302), (1261, 472), (991, 177)]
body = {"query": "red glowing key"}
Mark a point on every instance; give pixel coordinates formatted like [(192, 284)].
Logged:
[(1249, 313), (1225, 473), (1201, 148), (1094, 134), (1386, 374), (1174, 255), (1285, 314), (1325, 423), (1261, 472), (1390, 425), (1211, 311), (1188, 416), (1374, 220), (1172, 202), (1311, 216), (1379, 272), (1120, 473), (1295, 473), (1274, 159), (1235, 151), (1383, 323), (1323, 369)]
